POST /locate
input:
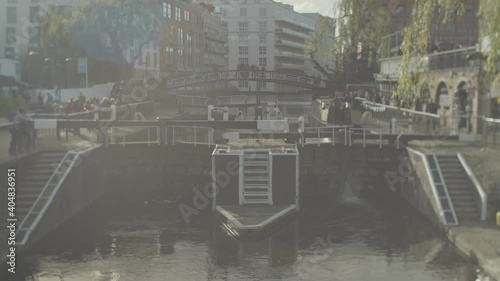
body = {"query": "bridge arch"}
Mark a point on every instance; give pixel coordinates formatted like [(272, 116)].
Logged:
[(302, 81)]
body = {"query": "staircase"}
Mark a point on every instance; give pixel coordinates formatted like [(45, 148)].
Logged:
[(460, 188), (35, 179), (256, 177)]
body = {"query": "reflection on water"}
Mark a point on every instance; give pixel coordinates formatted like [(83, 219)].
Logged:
[(347, 239)]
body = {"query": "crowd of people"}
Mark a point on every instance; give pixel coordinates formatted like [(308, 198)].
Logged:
[(75, 104)]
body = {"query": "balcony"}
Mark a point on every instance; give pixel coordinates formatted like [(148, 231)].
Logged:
[(289, 55), (389, 67), (287, 31), (295, 22), (293, 66), (215, 37), (291, 44), (212, 49), (452, 59)]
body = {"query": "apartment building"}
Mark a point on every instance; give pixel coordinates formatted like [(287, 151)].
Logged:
[(182, 38), (265, 34), (215, 42)]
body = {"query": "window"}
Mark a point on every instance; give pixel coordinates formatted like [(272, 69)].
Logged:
[(262, 50), (262, 12), (262, 62), (170, 55), (243, 38), (180, 55), (468, 28), (10, 35), (177, 14), (34, 35), (243, 12), (186, 16), (195, 20), (468, 10), (9, 53), (262, 25), (262, 84), (243, 26), (262, 38), (11, 15), (34, 14), (243, 60), (243, 50), (164, 6), (189, 40), (451, 27), (169, 11), (243, 84), (180, 36)]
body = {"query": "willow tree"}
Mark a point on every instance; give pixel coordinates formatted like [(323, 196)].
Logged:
[(417, 37), (356, 21), (115, 25)]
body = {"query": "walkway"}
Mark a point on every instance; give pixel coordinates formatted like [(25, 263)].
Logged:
[(481, 244)]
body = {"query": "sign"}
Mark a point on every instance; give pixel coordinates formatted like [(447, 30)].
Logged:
[(360, 49), (82, 65)]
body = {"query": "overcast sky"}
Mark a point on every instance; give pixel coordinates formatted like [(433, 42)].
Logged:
[(324, 7)]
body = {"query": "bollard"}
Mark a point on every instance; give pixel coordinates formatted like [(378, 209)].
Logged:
[(498, 219)]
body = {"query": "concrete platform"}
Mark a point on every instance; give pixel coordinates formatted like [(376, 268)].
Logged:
[(253, 220)]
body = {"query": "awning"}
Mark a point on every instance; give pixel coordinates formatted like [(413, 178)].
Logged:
[(6, 81)]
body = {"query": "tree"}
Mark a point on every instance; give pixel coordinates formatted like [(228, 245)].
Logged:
[(357, 21), (417, 35), (114, 25)]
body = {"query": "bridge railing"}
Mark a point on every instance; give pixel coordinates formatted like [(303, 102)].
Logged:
[(301, 80), (191, 100), (348, 136), (133, 135), (399, 119), (230, 100), (189, 134)]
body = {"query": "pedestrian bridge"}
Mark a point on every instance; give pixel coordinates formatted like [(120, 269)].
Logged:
[(301, 81)]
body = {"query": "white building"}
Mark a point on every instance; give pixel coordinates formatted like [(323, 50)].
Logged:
[(265, 33)]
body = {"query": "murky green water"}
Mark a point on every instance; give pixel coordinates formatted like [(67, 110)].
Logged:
[(344, 239)]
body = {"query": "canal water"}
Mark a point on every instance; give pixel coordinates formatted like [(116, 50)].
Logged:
[(345, 237)]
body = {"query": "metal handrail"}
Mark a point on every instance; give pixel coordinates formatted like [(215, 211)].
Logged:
[(76, 155), (149, 142), (433, 186), (209, 134), (450, 203), (477, 185)]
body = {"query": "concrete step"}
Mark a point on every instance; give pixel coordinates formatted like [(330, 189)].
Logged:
[(255, 178), (255, 201), (256, 193), (255, 172), (256, 186)]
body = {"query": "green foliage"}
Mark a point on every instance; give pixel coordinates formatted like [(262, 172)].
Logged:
[(490, 28), (364, 21), (7, 105), (417, 36), (115, 24)]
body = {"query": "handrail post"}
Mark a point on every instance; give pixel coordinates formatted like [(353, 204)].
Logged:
[(333, 136), (350, 137), (319, 138), (195, 140), (364, 138)]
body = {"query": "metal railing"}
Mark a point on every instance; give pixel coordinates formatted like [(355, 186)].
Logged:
[(439, 194), (490, 129), (451, 59), (347, 135), (189, 134), (191, 100), (48, 193), (135, 135), (229, 100), (482, 199)]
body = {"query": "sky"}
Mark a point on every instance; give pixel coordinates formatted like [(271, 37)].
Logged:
[(324, 7)]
